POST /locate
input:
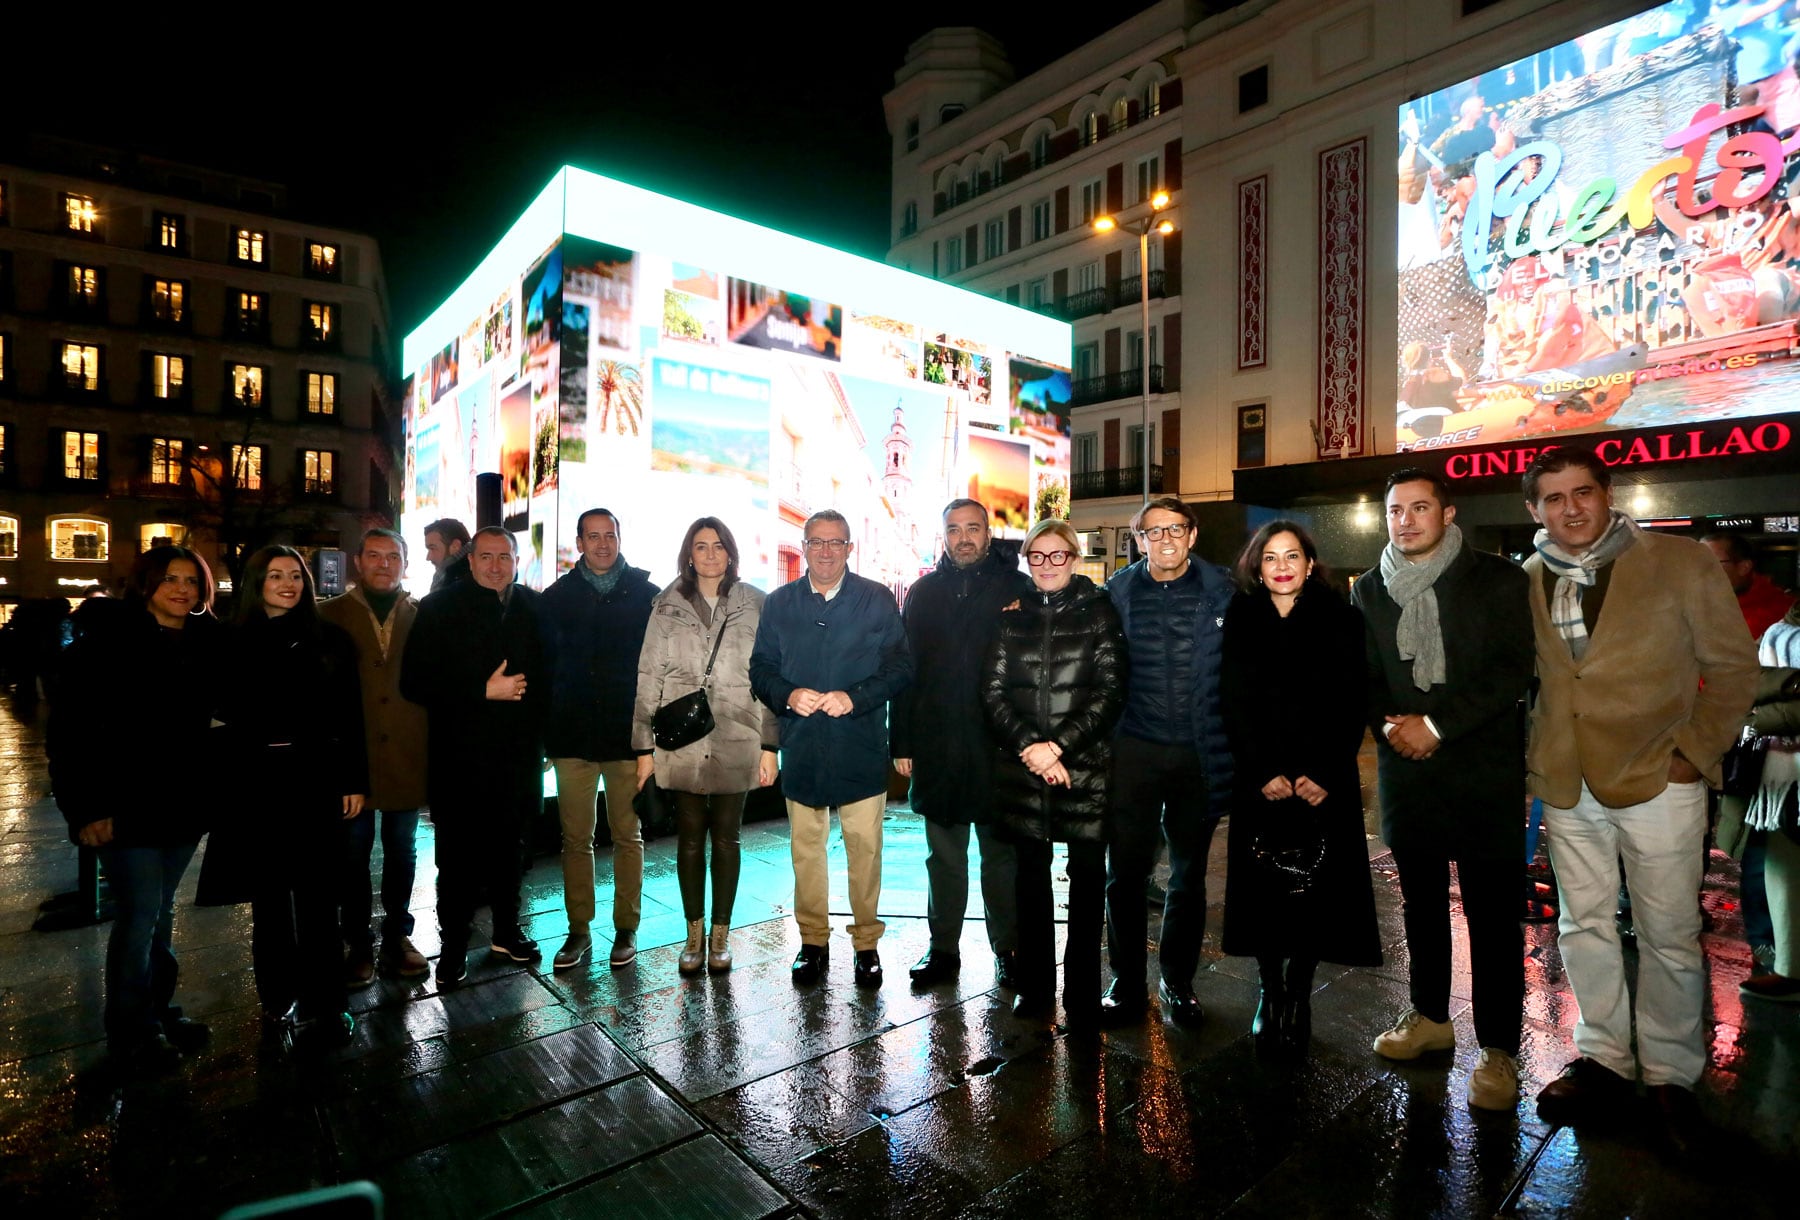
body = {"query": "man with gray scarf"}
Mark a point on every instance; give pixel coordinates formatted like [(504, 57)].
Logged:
[(1645, 671), (1448, 632)]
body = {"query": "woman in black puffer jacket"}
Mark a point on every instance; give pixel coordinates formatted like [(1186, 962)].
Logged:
[(1053, 689)]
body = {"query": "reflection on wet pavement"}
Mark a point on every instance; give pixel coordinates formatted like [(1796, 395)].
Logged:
[(639, 1092)]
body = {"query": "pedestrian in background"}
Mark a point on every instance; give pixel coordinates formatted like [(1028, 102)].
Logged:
[(377, 614), (701, 633), (447, 550), (594, 619), (129, 716), (938, 735), (1052, 691), (1294, 690), (292, 719)]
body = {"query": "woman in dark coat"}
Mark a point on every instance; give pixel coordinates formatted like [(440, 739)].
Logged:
[(1293, 688), (292, 715), (128, 731), (1053, 688)]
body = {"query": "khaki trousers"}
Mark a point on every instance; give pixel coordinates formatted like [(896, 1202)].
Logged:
[(810, 838), (577, 784)]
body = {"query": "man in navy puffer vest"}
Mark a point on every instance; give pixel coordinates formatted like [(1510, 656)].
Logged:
[(1171, 762)]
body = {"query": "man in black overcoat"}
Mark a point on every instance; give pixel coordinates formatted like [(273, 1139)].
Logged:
[(939, 738), (475, 660), (1450, 657)]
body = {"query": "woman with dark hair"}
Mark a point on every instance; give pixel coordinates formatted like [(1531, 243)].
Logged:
[(292, 714), (1297, 887), (1053, 688), (131, 703), (702, 629)]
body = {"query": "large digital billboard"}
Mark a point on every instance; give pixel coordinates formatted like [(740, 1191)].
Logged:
[(626, 350), (1604, 234)]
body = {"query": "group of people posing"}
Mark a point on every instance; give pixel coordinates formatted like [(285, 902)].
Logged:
[(1019, 699)]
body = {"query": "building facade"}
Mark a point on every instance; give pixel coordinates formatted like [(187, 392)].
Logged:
[(180, 361), (1323, 326)]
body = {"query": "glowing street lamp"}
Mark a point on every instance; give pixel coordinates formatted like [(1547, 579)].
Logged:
[(1144, 226)]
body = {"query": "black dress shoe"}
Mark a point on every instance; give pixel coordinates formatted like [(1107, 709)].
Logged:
[(809, 964), (186, 1034), (1588, 1093), (868, 968), (1181, 1004), (1296, 1022), (1006, 969), (1029, 1007), (1123, 1004), (1265, 1026), (513, 945), (935, 967)]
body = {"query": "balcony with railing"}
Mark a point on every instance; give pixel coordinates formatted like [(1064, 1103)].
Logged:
[(1121, 481), (1128, 383)]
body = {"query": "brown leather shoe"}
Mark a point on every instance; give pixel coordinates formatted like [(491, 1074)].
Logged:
[(400, 958), (1588, 1093)]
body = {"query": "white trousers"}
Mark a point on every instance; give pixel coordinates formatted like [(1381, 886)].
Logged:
[(1660, 841)]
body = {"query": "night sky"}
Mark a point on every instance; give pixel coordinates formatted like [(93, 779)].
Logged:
[(435, 140)]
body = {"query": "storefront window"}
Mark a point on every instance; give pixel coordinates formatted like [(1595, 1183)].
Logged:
[(9, 537), (80, 538), (161, 533)]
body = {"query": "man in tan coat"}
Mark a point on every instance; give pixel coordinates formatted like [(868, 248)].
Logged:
[(1645, 671), (378, 613)]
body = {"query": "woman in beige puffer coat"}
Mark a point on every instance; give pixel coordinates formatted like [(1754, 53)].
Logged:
[(707, 780)]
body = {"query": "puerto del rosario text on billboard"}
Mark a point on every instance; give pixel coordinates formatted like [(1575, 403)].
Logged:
[(1605, 235), (630, 351)]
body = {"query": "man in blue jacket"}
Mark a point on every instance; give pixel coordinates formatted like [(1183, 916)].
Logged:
[(1171, 772), (830, 652), (596, 615)]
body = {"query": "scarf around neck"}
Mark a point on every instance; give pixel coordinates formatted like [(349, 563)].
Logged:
[(603, 582), (1577, 572), (1419, 635)]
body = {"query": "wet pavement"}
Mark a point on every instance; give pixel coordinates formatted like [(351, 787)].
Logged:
[(639, 1093)]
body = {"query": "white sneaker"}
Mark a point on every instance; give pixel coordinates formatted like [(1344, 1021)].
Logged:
[(1494, 1084), (1414, 1035)]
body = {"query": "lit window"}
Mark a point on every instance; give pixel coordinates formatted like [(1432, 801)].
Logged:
[(247, 466), (5, 453), (168, 374), (80, 212), (84, 287), (79, 538), (321, 321), (3, 355), (81, 366), (321, 393), (9, 537), (322, 260), (168, 231), (166, 460), (249, 312), (1090, 127), (81, 455), (247, 385), (249, 246), (168, 300), (161, 533), (318, 476)]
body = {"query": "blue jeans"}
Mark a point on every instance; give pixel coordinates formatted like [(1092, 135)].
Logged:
[(399, 864), (140, 965)]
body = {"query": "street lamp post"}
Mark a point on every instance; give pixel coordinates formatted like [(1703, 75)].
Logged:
[(1143, 227)]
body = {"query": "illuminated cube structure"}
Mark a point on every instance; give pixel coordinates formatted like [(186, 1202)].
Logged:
[(626, 350)]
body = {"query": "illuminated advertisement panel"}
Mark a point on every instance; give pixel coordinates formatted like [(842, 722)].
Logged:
[(1604, 235), (629, 351)]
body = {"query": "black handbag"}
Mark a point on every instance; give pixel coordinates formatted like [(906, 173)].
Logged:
[(682, 722), (1742, 767), (1287, 847)]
